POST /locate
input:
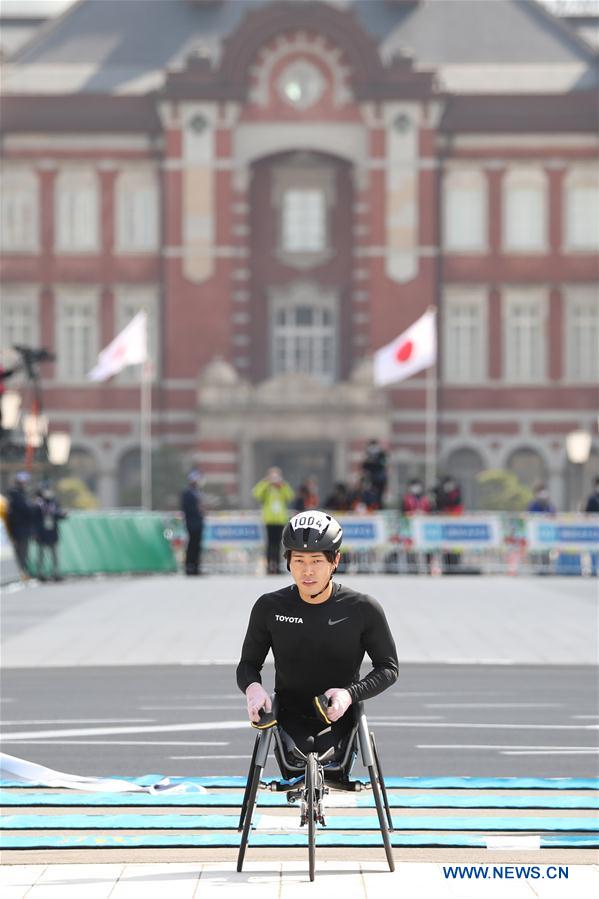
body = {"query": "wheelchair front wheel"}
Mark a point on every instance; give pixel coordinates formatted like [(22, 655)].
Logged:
[(249, 811), (380, 810), (311, 784)]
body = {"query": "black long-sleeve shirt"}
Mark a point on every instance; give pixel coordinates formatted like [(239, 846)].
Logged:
[(318, 646)]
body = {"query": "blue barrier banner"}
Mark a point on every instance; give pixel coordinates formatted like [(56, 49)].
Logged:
[(465, 532), (239, 530), (361, 532), (563, 533)]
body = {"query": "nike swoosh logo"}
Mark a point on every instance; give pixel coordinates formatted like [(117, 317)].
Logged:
[(339, 620)]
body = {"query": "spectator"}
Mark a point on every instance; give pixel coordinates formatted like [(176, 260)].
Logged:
[(415, 499), (274, 495), (307, 496), (364, 497), (192, 506), (593, 500), (541, 502), (46, 515), (448, 497), (374, 467), (339, 499), (19, 520)]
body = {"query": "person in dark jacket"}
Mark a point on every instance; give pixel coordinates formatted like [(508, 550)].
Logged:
[(593, 500), (20, 519), (193, 509), (541, 501), (374, 469), (46, 515)]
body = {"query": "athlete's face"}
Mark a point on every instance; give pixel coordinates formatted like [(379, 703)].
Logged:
[(311, 572)]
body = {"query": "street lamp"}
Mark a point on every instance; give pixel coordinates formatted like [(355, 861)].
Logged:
[(578, 448), (11, 407), (35, 428), (59, 447)]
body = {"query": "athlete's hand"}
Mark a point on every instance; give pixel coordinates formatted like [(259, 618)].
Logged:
[(339, 702), (257, 698)]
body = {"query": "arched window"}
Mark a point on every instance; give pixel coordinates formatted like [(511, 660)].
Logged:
[(465, 224), (77, 219), (525, 210), (19, 209), (528, 466), (464, 465)]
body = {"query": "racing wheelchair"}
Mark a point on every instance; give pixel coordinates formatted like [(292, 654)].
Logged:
[(308, 776)]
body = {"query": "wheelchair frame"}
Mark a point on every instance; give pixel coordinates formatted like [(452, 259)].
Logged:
[(309, 784)]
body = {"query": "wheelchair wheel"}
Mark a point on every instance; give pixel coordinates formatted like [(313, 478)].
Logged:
[(311, 784), (249, 811), (378, 801), (381, 780)]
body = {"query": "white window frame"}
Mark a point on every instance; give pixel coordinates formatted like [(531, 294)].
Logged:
[(582, 338), (465, 358), (514, 345), (465, 190), (129, 299), (26, 332), (19, 209), (581, 179), (137, 211), (77, 210), (88, 298), (518, 181), (303, 229), (293, 346)]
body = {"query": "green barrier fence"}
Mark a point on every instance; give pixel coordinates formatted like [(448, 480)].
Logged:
[(110, 543)]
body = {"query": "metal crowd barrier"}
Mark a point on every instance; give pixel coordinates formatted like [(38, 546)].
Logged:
[(389, 543)]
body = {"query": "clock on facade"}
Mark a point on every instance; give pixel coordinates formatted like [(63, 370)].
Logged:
[(301, 84)]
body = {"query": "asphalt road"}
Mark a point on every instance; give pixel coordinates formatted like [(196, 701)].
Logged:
[(440, 719)]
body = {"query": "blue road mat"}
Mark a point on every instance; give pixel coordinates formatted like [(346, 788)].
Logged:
[(32, 799), (334, 822), (212, 840), (405, 783)]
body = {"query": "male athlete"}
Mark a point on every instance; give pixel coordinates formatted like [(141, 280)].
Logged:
[(318, 631)]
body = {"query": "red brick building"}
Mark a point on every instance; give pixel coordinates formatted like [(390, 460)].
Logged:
[(285, 187)]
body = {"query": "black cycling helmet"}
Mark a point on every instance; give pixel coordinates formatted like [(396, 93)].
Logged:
[(313, 532)]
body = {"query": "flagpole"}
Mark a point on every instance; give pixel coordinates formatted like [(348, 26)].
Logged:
[(146, 435), (431, 427)]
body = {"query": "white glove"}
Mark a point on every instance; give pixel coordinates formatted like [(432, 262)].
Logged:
[(339, 702), (257, 699)]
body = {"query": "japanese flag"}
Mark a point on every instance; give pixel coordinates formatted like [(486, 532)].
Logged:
[(128, 348), (409, 353)]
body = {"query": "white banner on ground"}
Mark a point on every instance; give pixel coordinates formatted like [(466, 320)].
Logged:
[(19, 770)]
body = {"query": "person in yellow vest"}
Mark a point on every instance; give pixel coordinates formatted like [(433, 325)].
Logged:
[(274, 495)]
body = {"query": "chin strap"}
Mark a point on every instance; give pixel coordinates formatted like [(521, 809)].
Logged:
[(314, 595)]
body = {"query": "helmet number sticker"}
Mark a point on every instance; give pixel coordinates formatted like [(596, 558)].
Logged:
[(317, 520)]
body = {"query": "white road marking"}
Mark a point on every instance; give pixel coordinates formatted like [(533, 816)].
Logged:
[(493, 746), (381, 722), (492, 705), (551, 752), (83, 721), (243, 725), (109, 742), (153, 729), (185, 757), (189, 708)]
